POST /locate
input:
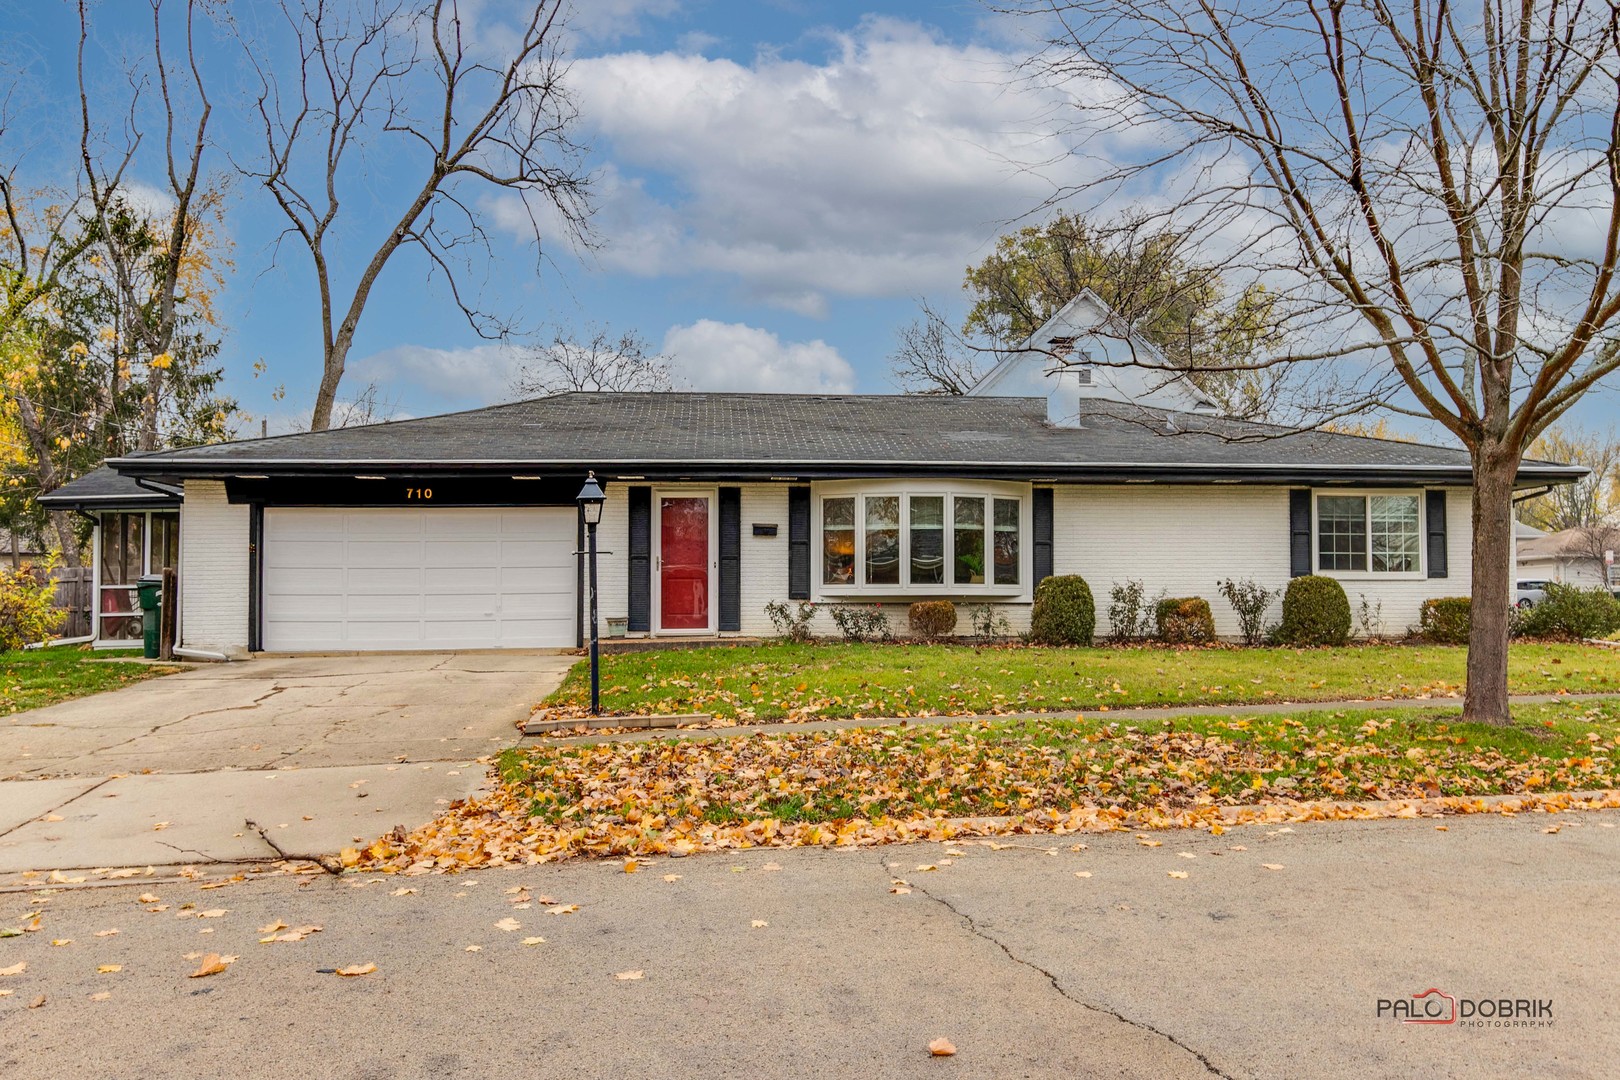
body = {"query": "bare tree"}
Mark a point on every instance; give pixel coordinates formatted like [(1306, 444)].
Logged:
[(930, 358), (459, 109), (599, 362), (369, 406), (1430, 194)]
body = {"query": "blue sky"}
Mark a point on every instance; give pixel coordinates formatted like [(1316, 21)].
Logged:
[(778, 182)]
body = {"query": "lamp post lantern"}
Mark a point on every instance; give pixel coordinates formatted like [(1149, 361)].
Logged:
[(590, 500)]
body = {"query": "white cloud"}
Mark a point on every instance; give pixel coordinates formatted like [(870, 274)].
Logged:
[(610, 20), (880, 171), (474, 375), (712, 355)]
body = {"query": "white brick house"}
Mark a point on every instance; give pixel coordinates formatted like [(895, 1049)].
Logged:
[(462, 531)]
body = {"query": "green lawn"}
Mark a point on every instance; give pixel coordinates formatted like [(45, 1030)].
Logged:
[(775, 681), (38, 677), (883, 784)]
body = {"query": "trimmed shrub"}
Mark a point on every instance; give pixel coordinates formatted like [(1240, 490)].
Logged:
[(1446, 620), (1571, 612), (1128, 610), (793, 624), (1185, 620), (1250, 600), (1315, 611), (932, 619), (861, 622), (1064, 613), (28, 611)]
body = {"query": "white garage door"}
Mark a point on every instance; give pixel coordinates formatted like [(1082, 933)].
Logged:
[(418, 579)]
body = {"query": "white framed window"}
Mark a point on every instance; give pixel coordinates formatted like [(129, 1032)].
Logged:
[(1369, 532), (936, 538)]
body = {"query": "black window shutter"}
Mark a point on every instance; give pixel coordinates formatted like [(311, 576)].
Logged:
[(641, 559), (1299, 532), (798, 543), (1040, 525), (1434, 513), (730, 558)]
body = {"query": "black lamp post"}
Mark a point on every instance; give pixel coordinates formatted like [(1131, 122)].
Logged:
[(590, 500)]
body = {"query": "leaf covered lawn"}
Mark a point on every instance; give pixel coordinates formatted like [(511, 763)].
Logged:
[(871, 785), (36, 677), (779, 681)]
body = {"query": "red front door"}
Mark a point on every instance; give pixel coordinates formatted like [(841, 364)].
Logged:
[(683, 578)]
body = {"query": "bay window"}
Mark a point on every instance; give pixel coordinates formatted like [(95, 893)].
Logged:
[(838, 541), (883, 539), (1371, 533), (888, 537)]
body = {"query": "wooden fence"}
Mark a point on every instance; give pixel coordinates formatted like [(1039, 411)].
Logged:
[(75, 589)]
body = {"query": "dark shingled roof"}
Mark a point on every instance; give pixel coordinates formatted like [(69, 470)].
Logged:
[(740, 435), (105, 489)]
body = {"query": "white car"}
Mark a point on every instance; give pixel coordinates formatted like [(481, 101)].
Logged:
[(1530, 593)]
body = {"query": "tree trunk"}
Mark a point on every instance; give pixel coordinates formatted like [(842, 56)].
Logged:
[(326, 395), (62, 522), (1487, 696)]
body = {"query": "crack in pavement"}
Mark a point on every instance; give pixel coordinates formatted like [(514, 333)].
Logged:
[(192, 850), (977, 931), (154, 729), (53, 809)]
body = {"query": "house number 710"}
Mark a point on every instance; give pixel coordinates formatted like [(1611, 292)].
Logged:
[(419, 493)]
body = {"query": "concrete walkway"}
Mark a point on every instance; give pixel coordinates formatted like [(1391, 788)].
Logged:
[(1125, 716), (318, 753)]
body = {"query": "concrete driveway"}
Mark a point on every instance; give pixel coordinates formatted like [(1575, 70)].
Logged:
[(287, 712), (296, 756)]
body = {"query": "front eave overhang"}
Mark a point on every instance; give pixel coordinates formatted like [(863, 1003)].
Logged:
[(109, 502), (755, 469)]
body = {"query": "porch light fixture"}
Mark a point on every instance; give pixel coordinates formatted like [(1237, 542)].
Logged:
[(590, 501)]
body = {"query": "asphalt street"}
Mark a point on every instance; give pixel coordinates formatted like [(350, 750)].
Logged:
[(776, 963)]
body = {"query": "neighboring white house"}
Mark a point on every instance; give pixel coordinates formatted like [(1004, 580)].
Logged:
[(1570, 557), (1086, 353), (462, 530)]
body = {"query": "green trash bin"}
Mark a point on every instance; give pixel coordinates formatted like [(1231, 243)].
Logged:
[(150, 587)]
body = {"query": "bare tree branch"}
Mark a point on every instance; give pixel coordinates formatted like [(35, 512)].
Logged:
[(454, 110)]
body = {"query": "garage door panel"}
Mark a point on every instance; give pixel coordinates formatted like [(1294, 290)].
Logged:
[(301, 553), (385, 553), (306, 525), (535, 580), (536, 553), (450, 554), (528, 606), (294, 580), (384, 605), (383, 579), (535, 632), (464, 605), (362, 578), (313, 633), (461, 524), (329, 606)]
